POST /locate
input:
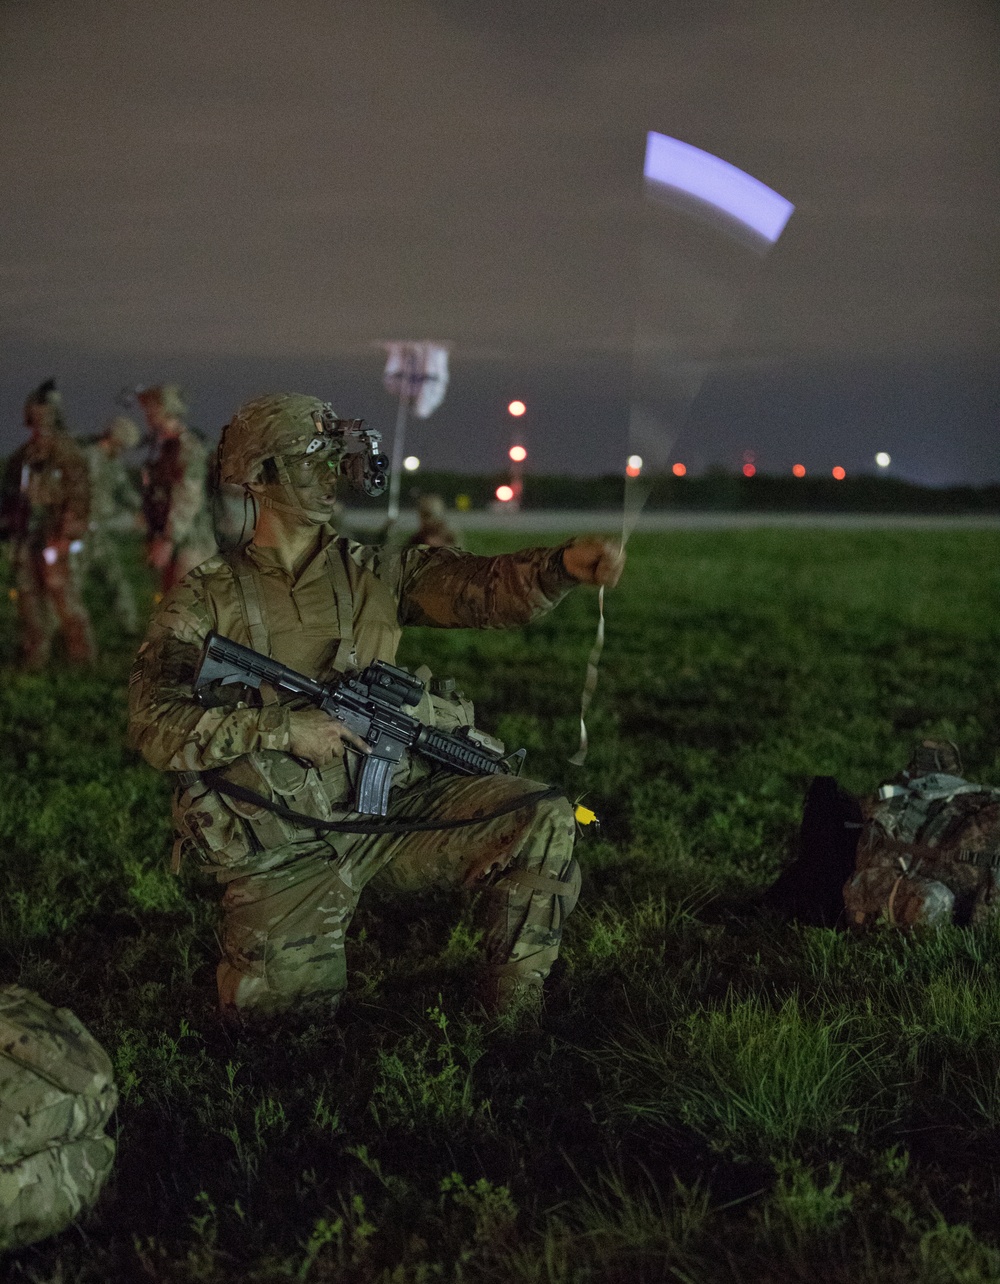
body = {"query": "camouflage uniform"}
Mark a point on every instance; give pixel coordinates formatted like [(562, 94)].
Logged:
[(44, 508), (114, 504), (175, 487), (56, 1096), (289, 894)]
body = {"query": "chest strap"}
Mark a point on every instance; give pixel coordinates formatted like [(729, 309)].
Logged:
[(345, 657), (252, 608), (254, 613)]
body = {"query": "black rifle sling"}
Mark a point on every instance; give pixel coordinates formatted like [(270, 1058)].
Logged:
[(241, 794)]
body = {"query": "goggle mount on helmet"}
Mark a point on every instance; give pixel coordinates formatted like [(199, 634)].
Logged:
[(359, 448)]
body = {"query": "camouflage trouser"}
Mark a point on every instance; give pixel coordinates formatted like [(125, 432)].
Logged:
[(104, 556), (49, 599), (283, 929)]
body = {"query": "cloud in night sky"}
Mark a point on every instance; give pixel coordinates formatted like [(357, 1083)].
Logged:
[(202, 188)]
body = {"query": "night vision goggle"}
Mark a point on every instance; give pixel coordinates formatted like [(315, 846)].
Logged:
[(358, 449)]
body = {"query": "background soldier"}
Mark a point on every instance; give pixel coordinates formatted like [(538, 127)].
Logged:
[(174, 496), (44, 509), (324, 606), (434, 530), (114, 507)]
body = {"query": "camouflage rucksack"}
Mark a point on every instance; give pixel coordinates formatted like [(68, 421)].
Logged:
[(929, 849), (56, 1095)]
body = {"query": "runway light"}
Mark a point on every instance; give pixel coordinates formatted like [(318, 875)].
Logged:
[(632, 471), (411, 463), (517, 409), (505, 494), (839, 473), (749, 470), (798, 470), (679, 470), (518, 454), (882, 459), (634, 461)]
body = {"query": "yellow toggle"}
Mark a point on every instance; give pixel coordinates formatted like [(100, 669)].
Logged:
[(583, 815)]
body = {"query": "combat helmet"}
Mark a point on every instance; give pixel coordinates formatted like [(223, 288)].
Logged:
[(124, 432), (282, 427), (47, 395), (167, 398)]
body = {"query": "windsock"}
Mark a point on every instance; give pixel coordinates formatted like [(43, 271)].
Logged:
[(417, 372)]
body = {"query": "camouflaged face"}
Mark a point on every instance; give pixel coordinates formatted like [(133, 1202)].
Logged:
[(56, 1096)]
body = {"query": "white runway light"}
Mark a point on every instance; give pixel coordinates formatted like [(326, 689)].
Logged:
[(882, 459), (411, 463)]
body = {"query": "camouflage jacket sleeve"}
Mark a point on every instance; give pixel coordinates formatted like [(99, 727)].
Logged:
[(171, 729), (125, 496), (448, 588), (187, 494), (75, 512)]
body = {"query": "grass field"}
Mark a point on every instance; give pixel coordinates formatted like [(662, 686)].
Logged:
[(713, 1095)]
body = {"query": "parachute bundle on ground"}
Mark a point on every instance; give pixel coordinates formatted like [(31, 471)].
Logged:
[(56, 1097)]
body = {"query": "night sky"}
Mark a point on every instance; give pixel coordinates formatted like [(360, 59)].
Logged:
[(247, 195)]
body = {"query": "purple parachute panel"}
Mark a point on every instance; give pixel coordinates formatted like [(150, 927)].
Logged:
[(719, 184)]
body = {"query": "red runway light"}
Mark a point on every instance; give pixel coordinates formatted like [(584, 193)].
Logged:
[(749, 470), (632, 471), (679, 470), (798, 470), (505, 494), (516, 408), (839, 473)]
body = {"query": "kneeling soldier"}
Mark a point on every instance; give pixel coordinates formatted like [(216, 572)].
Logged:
[(326, 606)]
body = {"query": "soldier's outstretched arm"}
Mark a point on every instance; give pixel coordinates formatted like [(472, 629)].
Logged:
[(453, 589), (168, 726)]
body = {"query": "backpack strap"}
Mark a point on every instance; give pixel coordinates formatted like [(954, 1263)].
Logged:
[(346, 657)]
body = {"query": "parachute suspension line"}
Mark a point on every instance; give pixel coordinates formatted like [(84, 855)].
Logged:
[(707, 228), (590, 681)]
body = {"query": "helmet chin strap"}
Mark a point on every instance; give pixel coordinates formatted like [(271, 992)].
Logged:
[(292, 505), (294, 510)]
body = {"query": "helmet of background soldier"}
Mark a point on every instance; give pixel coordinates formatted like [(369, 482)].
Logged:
[(124, 432), (163, 399), (56, 1096), (431, 508), (48, 396)]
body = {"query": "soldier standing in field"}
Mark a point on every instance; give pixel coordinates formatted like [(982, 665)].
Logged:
[(44, 510), (434, 530), (326, 606), (174, 493), (114, 509)]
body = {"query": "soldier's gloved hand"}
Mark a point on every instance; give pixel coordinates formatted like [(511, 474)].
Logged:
[(592, 559), (318, 738)]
